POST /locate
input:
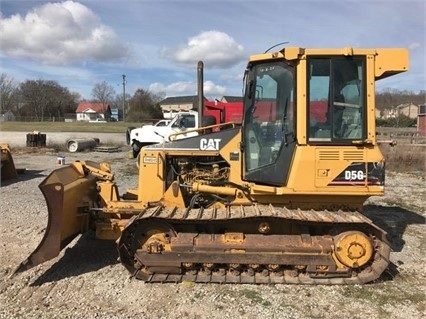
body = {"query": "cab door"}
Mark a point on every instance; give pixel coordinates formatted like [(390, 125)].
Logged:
[(269, 131)]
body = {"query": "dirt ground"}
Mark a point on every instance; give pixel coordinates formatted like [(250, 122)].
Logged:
[(86, 281)]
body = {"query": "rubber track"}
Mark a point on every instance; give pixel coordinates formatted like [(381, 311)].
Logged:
[(379, 264)]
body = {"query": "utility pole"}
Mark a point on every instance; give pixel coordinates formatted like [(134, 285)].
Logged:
[(124, 94)]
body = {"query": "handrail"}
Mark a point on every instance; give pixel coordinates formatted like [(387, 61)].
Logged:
[(172, 137)]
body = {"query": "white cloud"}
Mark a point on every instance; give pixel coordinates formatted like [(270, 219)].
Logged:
[(414, 46), (60, 34), (216, 49), (174, 89), (187, 88), (211, 89)]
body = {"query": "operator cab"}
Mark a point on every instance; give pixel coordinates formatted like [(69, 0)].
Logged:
[(335, 110)]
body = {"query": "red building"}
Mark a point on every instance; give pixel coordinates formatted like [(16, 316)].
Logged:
[(87, 111)]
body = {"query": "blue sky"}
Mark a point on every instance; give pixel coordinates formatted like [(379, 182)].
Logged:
[(157, 43)]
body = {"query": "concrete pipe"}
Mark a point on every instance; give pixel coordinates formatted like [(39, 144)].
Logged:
[(81, 144)]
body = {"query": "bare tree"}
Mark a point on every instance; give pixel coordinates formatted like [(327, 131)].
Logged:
[(103, 93), (43, 100), (388, 98), (8, 93)]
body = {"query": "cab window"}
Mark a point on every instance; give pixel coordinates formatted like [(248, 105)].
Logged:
[(185, 121), (336, 99)]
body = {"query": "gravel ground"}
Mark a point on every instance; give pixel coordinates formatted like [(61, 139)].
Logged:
[(86, 281)]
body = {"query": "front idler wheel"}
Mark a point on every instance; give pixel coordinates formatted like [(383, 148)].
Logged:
[(151, 236), (353, 249)]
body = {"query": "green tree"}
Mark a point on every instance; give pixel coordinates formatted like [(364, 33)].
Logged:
[(399, 121), (144, 106)]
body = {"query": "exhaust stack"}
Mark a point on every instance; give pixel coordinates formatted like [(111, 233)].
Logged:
[(200, 91)]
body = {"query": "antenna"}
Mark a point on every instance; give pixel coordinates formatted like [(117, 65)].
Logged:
[(276, 45)]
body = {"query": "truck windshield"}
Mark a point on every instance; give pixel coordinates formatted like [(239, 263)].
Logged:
[(185, 121), (268, 113), (336, 102)]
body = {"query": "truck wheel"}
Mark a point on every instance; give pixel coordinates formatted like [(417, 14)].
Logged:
[(136, 148), (129, 129)]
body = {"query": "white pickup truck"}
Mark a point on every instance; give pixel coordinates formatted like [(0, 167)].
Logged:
[(162, 123), (98, 120), (159, 133)]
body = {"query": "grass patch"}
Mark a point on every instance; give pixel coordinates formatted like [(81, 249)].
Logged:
[(51, 148), (255, 297), (110, 127), (386, 295), (405, 158)]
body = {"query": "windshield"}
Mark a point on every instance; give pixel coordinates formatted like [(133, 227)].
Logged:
[(268, 113), (184, 121)]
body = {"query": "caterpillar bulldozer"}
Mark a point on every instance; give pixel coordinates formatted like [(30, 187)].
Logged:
[(278, 199)]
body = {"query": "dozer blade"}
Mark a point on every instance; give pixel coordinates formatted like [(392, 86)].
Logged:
[(8, 170), (68, 193)]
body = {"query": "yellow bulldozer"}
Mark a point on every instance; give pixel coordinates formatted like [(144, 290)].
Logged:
[(278, 199)]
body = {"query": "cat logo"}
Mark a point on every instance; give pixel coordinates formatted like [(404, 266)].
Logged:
[(211, 144)]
